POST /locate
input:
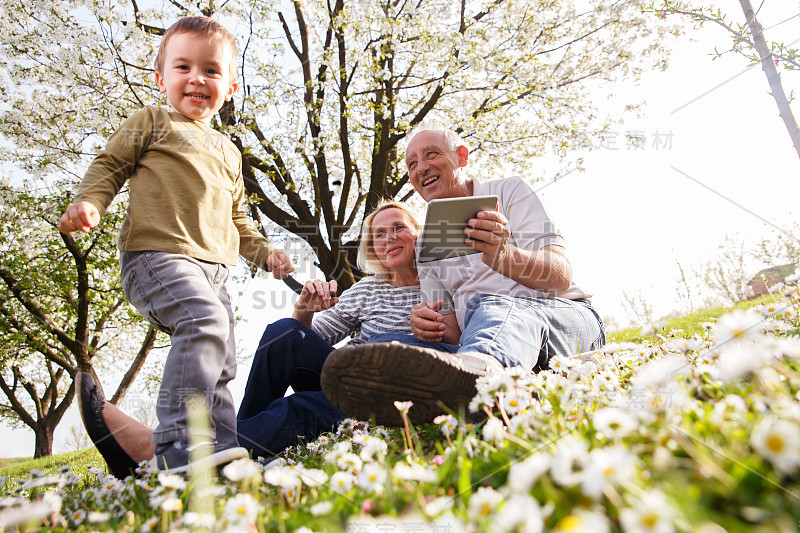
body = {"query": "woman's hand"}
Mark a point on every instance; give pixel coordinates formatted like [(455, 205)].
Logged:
[(316, 296)]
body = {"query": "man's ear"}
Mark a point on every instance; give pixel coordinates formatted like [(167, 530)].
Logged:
[(463, 155)]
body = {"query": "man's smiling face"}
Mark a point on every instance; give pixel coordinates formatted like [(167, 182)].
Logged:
[(433, 168)]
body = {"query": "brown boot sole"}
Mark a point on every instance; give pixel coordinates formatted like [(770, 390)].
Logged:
[(366, 380)]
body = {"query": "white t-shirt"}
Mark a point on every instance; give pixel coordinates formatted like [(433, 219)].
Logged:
[(457, 279)]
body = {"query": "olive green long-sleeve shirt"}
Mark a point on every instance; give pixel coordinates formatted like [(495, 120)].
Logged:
[(186, 189)]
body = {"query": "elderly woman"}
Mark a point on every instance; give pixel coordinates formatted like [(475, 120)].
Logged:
[(292, 350)]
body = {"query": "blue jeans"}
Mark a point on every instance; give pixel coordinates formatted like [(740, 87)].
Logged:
[(410, 339), (526, 332), (289, 355), (187, 299)]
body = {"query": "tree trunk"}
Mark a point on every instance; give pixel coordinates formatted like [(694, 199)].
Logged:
[(44, 439), (774, 79)]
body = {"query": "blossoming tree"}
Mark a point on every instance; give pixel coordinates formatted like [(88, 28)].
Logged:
[(328, 91), (61, 310)]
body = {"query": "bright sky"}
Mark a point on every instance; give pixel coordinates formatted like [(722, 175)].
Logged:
[(713, 139)]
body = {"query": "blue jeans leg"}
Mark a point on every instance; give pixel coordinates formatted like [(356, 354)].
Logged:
[(528, 331), (407, 338), (289, 355), (302, 414)]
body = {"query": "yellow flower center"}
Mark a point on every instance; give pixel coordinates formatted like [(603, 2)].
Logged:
[(569, 523), (775, 443), (649, 520)]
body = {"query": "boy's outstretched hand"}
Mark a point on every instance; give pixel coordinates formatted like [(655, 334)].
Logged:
[(279, 264), (81, 216)]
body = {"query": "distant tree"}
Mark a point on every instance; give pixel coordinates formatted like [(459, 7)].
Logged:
[(61, 311), (638, 310), (748, 40), (726, 275)]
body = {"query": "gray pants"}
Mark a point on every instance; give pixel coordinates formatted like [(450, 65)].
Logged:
[(186, 298)]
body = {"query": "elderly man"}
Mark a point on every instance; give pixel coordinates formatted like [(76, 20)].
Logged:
[(513, 304)]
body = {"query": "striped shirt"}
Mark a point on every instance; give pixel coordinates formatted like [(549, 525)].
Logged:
[(370, 306)]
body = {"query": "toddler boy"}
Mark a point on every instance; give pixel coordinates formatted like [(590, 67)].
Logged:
[(185, 223)]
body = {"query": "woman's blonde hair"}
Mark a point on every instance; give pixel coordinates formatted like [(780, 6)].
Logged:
[(367, 260)]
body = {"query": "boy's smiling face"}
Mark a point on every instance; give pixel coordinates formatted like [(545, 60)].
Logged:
[(196, 75)]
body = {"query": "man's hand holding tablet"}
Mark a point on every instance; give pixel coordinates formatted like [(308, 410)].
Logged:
[(443, 235)]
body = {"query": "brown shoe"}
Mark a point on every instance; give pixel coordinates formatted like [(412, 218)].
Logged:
[(365, 380)]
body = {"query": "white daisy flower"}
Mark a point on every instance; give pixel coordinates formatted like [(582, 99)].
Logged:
[(569, 461), (311, 477), (98, 517), (582, 521), (403, 407), (151, 524), (321, 508), (339, 449), (520, 512), (447, 423), (241, 469), (516, 400), (282, 476), (522, 476), (660, 371), (415, 472), (41, 481), (652, 328), (241, 508), (740, 360), (372, 477), (483, 503), (778, 441), (613, 422), (652, 513), (76, 517), (198, 520), (373, 449), (607, 467), (438, 506), (171, 503), (27, 512), (172, 481), (737, 326), (494, 431), (341, 482), (350, 461)]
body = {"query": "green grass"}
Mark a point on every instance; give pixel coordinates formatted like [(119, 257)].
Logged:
[(19, 468), (691, 324)]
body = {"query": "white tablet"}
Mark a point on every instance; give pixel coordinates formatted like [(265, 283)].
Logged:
[(443, 234)]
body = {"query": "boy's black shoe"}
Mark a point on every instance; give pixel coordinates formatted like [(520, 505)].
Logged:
[(90, 405)]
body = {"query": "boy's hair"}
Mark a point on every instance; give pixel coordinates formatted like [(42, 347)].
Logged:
[(198, 25), (367, 260)]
